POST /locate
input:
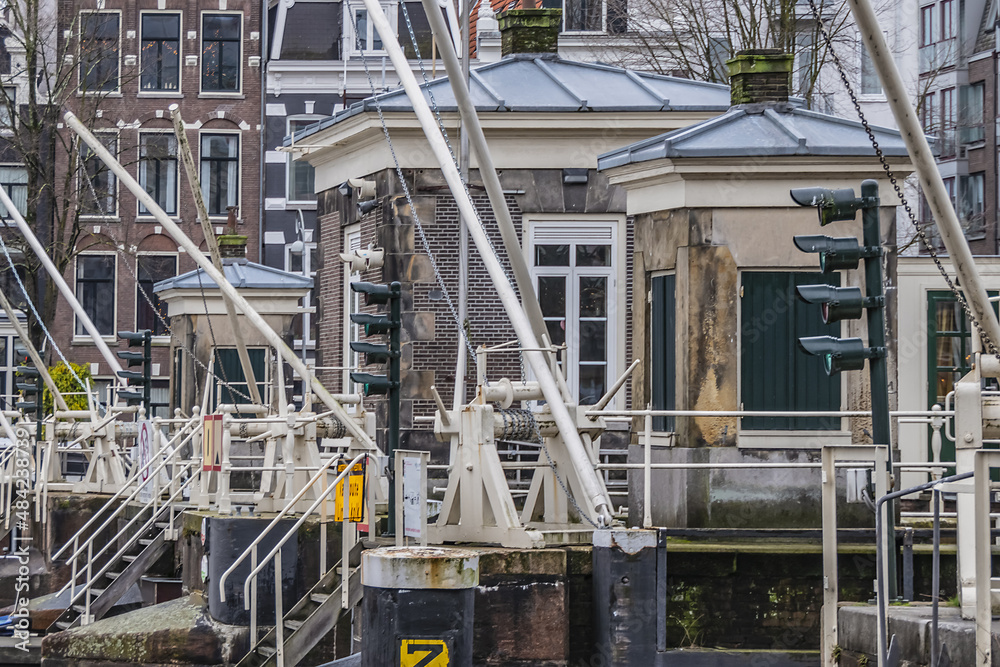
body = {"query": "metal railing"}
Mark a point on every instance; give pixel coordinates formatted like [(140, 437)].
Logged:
[(250, 585)]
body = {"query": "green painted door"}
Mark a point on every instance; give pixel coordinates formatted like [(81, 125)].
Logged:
[(228, 369), (775, 374)]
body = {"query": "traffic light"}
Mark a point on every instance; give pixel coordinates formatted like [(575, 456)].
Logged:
[(382, 353), (374, 325), (29, 383), (840, 354), (140, 382), (845, 303)]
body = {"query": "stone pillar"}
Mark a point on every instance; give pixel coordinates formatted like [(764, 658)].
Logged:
[(629, 596), (418, 603)]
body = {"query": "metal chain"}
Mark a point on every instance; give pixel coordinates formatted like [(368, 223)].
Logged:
[(409, 199), (552, 465), (987, 341)]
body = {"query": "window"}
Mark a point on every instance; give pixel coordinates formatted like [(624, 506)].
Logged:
[(948, 109), (228, 366), (805, 47), (312, 31), (366, 37), (774, 374), (95, 290), (947, 20), (98, 186), (14, 181), (870, 85), (158, 170), (584, 15), (662, 351), (8, 109), (161, 52), (575, 281), (971, 201), (220, 53), (927, 25), (928, 115), (301, 174), (970, 111), (150, 270), (99, 51), (220, 156), (305, 263)]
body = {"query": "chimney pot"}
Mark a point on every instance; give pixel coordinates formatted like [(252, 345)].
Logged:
[(529, 30), (760, 75)]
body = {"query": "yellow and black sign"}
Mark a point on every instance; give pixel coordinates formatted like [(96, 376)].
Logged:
[(356, 494), (423, 653)]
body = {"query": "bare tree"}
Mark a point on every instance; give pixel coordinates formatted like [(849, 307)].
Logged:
[(53, 59), (695, 38)]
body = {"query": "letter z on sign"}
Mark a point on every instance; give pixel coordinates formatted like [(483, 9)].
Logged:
[(423, 653)]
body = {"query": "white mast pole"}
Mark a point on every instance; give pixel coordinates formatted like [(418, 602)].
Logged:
[(56, 276), (519, 320), (227, 288)]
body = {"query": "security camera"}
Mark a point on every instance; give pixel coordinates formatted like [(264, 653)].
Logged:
[(364, 259)]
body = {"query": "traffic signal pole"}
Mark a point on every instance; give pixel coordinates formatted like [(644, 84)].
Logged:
[(392, 430)]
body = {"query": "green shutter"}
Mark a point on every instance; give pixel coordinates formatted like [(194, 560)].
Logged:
[(662, 349), (229, 369), (775, 374)]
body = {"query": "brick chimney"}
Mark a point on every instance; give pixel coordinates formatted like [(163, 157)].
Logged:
[(529, 30), (760, 75), (231, 244)]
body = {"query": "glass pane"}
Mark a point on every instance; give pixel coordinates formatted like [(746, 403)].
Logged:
[(361, 25), (557, 331), (949, 352), (593, 341), (593, 255), (97, 268), (593, 296), (592, 383), (946, 384), (552, 255), (222, 26), (552, 295), (948, 316)]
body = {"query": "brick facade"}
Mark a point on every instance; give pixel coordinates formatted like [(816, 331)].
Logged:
[(130, 112)]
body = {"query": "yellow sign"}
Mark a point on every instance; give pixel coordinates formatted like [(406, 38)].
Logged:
[(423, 653), (356, 494)]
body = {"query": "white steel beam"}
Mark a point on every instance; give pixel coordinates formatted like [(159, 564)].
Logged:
[(508, 297)]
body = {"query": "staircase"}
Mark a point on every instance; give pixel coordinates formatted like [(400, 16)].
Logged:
[(311, 618), (115, 578)]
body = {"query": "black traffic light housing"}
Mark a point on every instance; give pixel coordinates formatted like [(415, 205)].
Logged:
[(29, 382), (840, 354), (832, 205), (837, 303), (835, 253), (140, 382), (382, 353)]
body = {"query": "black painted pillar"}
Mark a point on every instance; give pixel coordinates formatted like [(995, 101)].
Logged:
[(418, 605)]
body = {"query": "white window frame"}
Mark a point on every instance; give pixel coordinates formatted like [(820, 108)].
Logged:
[(14, 165), (310, 272), (165, 338), (239, 167), (201, 54), (862, 54), (290, 160), (180, 57), (351, 49), (81, 173), (84, 337), (570, 228), (116, 91), (177, 177), (604, 21)]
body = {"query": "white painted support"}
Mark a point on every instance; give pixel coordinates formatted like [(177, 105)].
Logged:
[(57, 278), (968, 439), (984, 459), (592, 484), (222, 499), (938, 199), (225, 286), (647, 476)]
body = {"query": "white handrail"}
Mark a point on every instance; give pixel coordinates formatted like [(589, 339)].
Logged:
[(284, 511), (117, 495), (294, 529)]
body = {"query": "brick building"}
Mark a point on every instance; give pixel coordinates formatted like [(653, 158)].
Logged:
[(546, 120), (129, 62)]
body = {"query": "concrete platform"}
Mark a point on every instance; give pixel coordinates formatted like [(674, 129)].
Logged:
[(911, 623)]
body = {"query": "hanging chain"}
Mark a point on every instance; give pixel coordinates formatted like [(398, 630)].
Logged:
[(920, 229)]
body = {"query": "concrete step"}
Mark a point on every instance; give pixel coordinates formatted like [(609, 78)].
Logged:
[(293, 625), (318, 598)]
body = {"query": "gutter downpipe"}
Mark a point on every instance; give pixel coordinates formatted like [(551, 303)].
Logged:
[(592, 486), (195, 253), (64, 289), (927, 171)]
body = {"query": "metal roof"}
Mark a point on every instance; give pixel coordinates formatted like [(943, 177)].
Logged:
[(759, 130), (241, 273), (544, 82)]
